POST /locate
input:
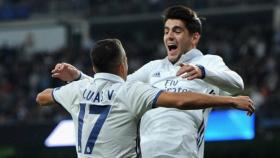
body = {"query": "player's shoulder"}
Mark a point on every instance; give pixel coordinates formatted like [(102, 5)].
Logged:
[(212, 56), (80, 83), (133, 84), (209, 58), (155, 63), (125, 91), (131, 87)]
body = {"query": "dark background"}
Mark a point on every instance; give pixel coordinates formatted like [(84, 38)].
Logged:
[(245, 33)]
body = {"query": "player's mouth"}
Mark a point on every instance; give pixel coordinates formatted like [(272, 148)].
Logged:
[(172, 47)]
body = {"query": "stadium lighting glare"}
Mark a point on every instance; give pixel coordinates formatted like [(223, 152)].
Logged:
[(230, 125), (62, 135), (223, 125)]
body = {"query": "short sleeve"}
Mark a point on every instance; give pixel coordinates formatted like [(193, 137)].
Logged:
[(69, 95), (140, 97)]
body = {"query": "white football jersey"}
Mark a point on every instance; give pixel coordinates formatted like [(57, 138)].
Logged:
[(106, 111), (172, 133)]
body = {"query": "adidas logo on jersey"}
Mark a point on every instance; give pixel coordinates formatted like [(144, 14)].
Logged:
[(157, 74)]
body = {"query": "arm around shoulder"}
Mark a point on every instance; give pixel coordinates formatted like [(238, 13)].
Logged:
[(192, 100)]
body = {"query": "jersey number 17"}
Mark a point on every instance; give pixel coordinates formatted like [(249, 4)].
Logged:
[(93, 109)]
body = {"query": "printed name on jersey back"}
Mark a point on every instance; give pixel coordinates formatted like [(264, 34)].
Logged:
[(94, 97)]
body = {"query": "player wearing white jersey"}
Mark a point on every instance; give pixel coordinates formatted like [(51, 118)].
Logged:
[(170, 132), (183, 135), (183, 132), (106, 109)]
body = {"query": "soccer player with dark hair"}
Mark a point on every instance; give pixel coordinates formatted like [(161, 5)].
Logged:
[(166, 132), (106, 109)]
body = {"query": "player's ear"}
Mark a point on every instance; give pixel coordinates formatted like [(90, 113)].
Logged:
[(122, 70), (195, 38), (94, 70)]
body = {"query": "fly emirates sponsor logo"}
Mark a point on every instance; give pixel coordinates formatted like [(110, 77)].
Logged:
[(174, 86)]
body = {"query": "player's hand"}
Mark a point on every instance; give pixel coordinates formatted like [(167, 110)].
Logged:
[(65, 72), (189, 71), (244, 103)]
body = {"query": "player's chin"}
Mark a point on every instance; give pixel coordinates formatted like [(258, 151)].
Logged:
[(173, 57)]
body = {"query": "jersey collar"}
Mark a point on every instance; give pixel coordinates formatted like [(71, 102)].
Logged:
[(188, 56), (109, 77)]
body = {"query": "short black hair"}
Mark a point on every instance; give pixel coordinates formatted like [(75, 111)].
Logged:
[(106, 55), (187, 15)]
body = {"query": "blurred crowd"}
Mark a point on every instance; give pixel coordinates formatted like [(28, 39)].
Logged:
[(12, 9)]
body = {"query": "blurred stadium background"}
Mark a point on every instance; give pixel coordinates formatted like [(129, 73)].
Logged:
[(36, 34)]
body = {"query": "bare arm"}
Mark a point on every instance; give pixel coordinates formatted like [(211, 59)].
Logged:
[(191, 100), (45, 98), (67, 72)]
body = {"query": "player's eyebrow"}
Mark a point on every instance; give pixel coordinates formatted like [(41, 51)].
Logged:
[(177, 28), (173, 28)]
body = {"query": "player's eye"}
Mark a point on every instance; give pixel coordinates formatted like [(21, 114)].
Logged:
[(177, 30)]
